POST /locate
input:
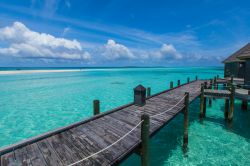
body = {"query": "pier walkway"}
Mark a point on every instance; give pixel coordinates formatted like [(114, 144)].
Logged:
[(105, 139)]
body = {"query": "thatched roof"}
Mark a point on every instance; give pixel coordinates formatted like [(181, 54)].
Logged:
[(239, 55)]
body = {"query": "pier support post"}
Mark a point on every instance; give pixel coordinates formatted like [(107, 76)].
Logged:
[(148, 92), (188, 80), (185, 137), (145, 140), (205, 102), (215, 83), (231, 109), (232, 80), (96, 107), (179, 83), (171, 85), (244, 104), (210, 87), (196, 77), (226, 109), (202, 101)]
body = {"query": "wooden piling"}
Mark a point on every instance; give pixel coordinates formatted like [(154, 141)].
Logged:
[(232, 80), (202, 101), (226, 109), (96, 107), (231, 108), (179, 83), (171, 85), (188, 80), (244, 104), (185, 136), (215, 83), (205, 102), (145, 140), (148, 92), (210, 87)]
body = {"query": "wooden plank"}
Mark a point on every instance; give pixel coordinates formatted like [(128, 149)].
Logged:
[(48, 153), (8, 159), (21, 157), (34, 155), (84, 139)]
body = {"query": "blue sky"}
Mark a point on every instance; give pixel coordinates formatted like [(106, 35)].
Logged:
[(121, 33)]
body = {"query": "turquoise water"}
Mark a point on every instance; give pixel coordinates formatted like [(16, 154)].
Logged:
[(31, 104)]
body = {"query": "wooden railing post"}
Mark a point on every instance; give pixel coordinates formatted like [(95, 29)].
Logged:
[(231, 109), (244, 104), (226, 109), (215, 83), (178, 83), (148, 92), (171, 85), (185, 136), (210, 99), (188, 80), (145, 140), (202, 101), (96, 107), (232, 79), (205, 102)]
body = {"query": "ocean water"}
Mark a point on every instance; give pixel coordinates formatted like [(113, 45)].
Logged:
[(31, 104)]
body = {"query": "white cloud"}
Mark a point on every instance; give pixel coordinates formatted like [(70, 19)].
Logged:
[(114, 51), (30, 44), (166, 52)]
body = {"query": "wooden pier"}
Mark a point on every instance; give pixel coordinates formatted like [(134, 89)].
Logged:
[(110, 137)]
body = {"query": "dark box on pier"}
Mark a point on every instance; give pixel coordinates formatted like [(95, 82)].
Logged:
[(139, 95)]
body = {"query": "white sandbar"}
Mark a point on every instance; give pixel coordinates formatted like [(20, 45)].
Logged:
[(36, 71)]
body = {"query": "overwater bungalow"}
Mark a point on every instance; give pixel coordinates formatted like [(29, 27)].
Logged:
[(238, 65)]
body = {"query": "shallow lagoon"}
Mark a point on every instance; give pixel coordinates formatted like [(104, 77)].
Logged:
[(32, 104)]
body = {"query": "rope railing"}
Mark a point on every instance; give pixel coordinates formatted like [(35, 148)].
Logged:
[(169, 108), (79, 161), (121, 138)]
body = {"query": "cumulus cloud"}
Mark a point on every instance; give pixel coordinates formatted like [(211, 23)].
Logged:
[(115, 51), (168, 52), (25, 43)]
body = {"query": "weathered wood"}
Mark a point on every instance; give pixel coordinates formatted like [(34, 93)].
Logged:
[(96, 107), (171, 85), (185, 135), (83, 139), (210, 87), (145, 140), (232, 79), (215, 83), (178, 83), (148, 92), (205, 101), (231, 109), (244, 104), (217, 93), (202, 101), (226, 109)]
